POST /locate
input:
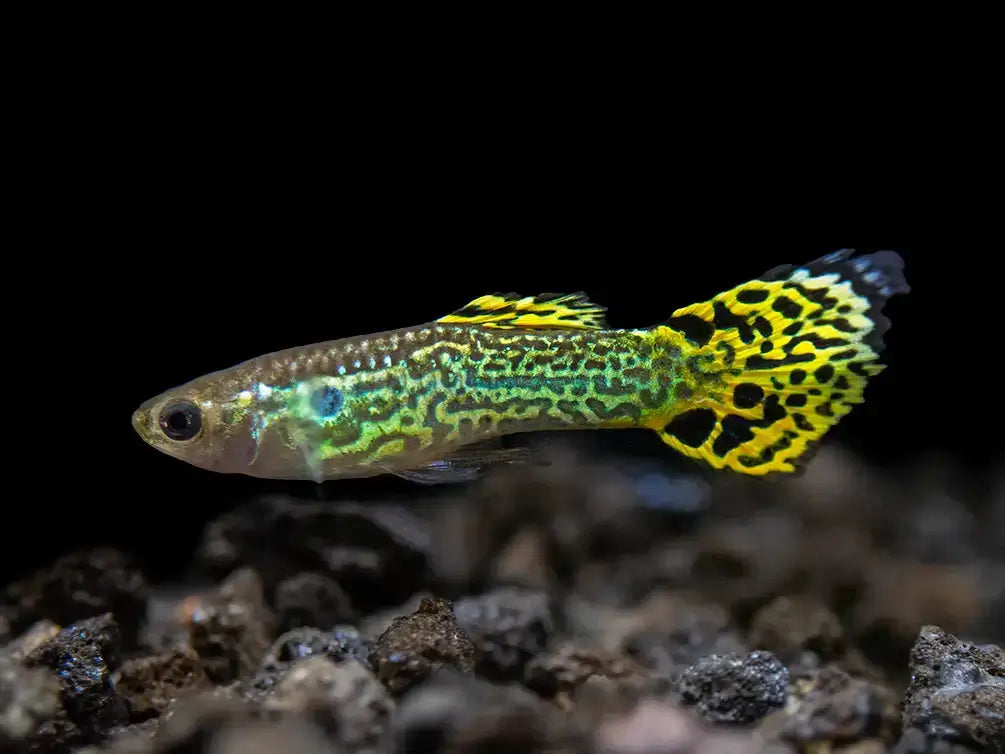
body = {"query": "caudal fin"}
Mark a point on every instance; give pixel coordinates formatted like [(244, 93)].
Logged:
[(774, 363)]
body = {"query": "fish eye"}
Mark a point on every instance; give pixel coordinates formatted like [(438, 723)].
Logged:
[(181, 420), (326, 401)]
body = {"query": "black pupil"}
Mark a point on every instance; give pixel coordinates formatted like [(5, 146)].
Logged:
[(181, 421)]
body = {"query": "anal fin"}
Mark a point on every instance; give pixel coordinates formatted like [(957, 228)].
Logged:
[(465, 465)]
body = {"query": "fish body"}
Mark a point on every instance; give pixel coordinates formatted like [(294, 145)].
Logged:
[(749, 380)]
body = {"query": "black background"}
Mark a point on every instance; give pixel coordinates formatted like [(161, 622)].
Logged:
[(180, 224)]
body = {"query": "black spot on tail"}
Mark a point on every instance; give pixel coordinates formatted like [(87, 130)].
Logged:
[(737, 430), (802, 422), (824, 409), (787, 307), (817, 341), (839, 323), (747, 395), (851, 353), (773, 411), (760, 362), (763, 326), (751, 296), (824, 373), (692, 427), (693, 327), (726, 320), (816, 295)]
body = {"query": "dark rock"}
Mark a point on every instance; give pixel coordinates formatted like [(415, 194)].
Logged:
[(311, 599), (82, 585), (830, 706), (132, 739), (735, 689), (669, 655), (565, 668), (463, 715), (340, 644), (374, 624), (149, 684), (232, 627), (508, 627), (58, 736), (415, 645), (36, 635), (28, 697), (377, 554), (675, 631), (790, 626), (957, 691), (84, 656), (657, 727), (916, 741), (345, 699)]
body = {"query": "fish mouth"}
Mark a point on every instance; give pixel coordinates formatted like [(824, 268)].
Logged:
[(143, 425), (140, 421)]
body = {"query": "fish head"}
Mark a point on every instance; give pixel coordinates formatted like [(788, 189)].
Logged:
[(207, 422)]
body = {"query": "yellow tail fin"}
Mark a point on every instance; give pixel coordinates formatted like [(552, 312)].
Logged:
[(774, 363)]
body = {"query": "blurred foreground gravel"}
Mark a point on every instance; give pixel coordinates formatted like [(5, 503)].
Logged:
[(594, 605)]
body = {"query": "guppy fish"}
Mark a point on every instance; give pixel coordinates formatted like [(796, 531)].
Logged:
[(749, 381)]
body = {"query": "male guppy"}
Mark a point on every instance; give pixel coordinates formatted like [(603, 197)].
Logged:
[(749, 381)]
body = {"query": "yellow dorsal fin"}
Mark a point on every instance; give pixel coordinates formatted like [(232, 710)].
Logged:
[(546, 311)]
